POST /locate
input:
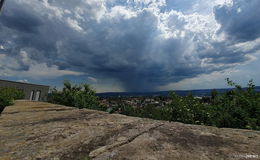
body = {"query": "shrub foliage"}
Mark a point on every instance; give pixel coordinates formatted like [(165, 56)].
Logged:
[(8, 95), (80, 96)]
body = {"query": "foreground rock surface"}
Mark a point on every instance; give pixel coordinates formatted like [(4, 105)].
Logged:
[(36, 130)]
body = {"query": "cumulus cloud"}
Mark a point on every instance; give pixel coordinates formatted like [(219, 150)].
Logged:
[(140, 44), (241, 20)]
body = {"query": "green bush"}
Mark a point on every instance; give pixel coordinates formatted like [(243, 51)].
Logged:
[(80, 96), (187, 109), (8, 95), (237, 108)]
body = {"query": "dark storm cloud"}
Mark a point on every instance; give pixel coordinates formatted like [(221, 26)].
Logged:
[(240, 21), (131, 49), (23, 28), (18, 18), (224, 55)]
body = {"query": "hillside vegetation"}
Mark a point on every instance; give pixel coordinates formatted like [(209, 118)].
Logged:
[(237, 108)]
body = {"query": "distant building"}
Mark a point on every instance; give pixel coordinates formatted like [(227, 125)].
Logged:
[(33, 92)]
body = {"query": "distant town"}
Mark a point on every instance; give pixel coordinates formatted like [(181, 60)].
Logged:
[(158, 101)]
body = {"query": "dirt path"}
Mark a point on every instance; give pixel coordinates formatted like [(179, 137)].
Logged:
[(34, 130)]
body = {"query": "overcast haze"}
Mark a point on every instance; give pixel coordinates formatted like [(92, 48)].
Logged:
[(131, 45)]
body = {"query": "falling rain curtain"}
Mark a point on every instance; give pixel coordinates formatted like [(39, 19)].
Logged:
[(1, 4)]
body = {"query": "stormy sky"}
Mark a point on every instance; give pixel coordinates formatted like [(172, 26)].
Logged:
[(131, 45)]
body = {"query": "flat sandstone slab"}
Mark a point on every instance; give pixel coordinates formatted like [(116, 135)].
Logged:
[(36, 130)]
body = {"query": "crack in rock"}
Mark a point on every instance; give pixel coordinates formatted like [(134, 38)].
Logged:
[(103, 149)]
